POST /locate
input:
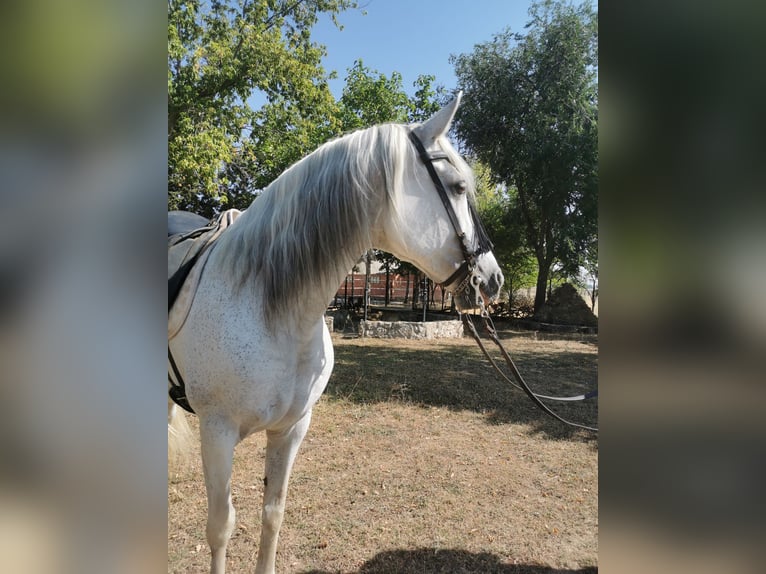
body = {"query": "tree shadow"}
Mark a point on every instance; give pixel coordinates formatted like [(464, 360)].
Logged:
[(459, 377), (448, 561)]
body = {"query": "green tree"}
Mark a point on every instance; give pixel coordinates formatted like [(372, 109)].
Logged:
[(219, 54), (494, 203), (530, 113), (370, 98), (428, 99), (284, 132)]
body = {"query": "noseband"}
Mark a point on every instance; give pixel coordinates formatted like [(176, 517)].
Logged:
[(482, 244)]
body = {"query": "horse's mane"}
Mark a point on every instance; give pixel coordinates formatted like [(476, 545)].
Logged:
[(301, 232)]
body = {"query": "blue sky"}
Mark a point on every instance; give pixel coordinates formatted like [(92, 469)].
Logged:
[(414, 37)]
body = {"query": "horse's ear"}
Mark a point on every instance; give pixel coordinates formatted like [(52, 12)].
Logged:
[(439, 123)]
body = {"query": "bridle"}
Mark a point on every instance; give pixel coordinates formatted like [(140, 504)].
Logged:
[(467, 274)]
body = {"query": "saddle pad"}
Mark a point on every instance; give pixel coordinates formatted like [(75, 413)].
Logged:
[(187, 255)]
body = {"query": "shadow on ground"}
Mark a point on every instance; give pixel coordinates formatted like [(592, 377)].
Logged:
[(432, 561), (458, 377)]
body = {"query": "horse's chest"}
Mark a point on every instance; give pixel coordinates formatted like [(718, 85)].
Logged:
[(284, 385), (235, 364)]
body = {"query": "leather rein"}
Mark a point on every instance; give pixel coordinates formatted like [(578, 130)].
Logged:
[(467, 273), (489, 327)]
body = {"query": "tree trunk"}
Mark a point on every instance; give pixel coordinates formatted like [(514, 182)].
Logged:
[(407, 289), (388, 283), (542, 286), (593, 298), (510, 296), (345, 291), (368, 263)]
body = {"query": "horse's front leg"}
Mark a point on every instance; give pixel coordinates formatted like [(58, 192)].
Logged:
[(218, 437), (281, 449)]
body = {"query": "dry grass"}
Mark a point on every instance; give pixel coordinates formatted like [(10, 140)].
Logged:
[(419, 460)]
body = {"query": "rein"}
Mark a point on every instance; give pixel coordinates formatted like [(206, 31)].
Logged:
[(465, 274), (489, 327)]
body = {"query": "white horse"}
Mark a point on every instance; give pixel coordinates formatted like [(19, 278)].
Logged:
[(255, 352)]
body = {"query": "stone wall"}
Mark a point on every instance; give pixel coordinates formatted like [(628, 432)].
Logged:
[(407, 330)]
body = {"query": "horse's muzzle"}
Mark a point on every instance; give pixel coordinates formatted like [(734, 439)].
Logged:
[(478, 291)]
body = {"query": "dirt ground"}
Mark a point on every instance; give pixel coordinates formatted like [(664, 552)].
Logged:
[(420, 460)]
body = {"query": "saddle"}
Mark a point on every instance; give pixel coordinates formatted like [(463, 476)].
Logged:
[(190, 238), (190, 241)]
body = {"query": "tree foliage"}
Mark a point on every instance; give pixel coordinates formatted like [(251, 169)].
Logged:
[(220, 53), (494, 202), (530, 113), (370, 98)]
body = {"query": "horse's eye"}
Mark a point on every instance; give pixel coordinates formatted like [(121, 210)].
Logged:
[(460, 187)]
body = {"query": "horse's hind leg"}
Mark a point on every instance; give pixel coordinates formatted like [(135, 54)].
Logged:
[(281, 448), (218, 441)]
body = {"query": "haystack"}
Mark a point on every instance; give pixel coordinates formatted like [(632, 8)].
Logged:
[(565, 306)]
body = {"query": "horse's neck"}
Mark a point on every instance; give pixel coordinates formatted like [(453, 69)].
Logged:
[(347, 239), (317, 300), (307, 312)]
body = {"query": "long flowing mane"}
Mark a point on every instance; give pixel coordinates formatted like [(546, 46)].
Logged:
[(301, 232)]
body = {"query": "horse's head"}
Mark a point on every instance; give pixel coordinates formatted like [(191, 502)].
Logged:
[(434, 222)]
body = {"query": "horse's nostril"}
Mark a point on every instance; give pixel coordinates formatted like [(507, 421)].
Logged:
[(495, 282)]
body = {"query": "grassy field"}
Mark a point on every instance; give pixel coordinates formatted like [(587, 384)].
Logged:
[(419, 460)]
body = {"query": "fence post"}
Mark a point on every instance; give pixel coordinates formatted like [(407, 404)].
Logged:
[(368, 262)]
